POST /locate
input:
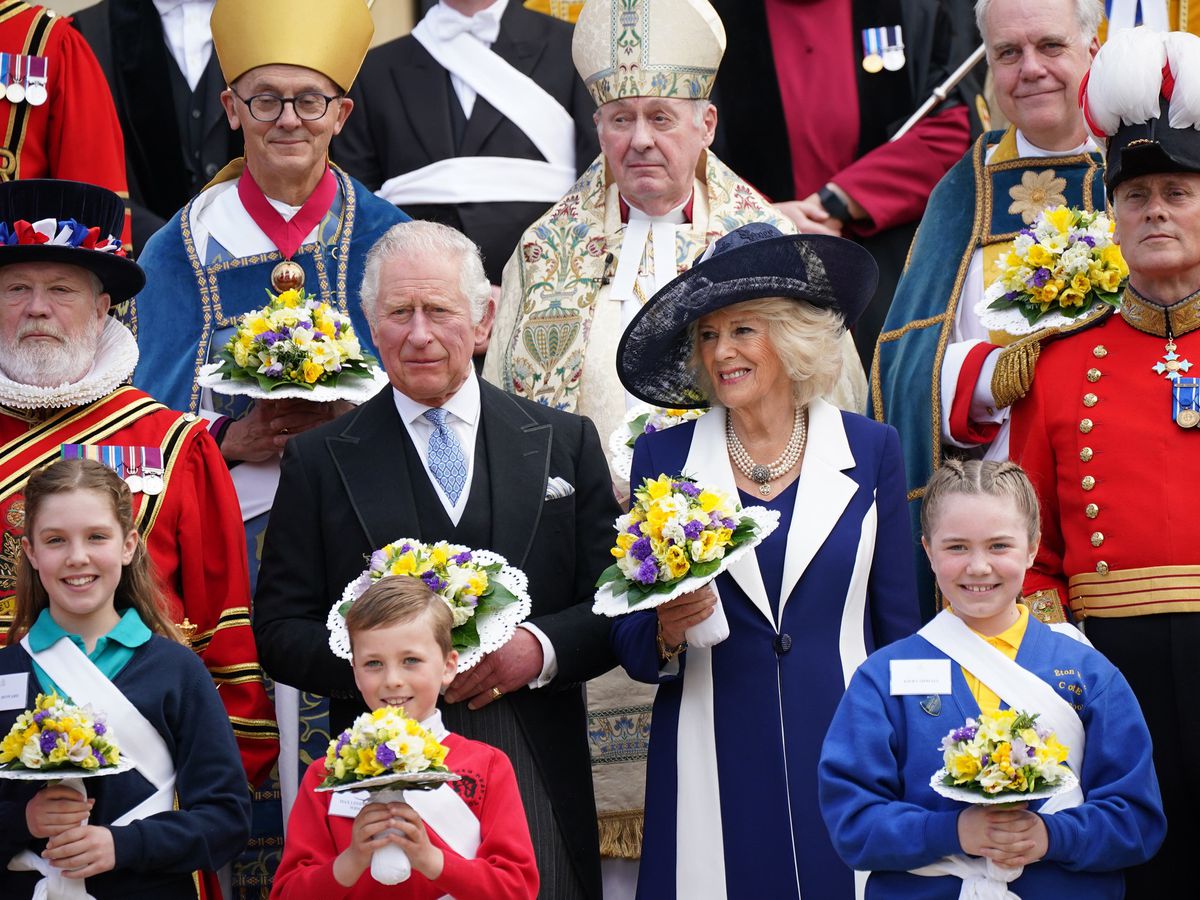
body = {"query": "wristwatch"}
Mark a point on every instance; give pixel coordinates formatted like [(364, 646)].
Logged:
[(834, 205)]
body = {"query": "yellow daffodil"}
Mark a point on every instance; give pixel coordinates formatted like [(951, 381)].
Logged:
[(1061, 218), (312, 371), (708, 501), (677, 562), (1081, 283), (290, 298), (1039, 256), (659, 488)]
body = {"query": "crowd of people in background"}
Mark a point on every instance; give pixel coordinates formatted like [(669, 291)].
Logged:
[(801, 229)]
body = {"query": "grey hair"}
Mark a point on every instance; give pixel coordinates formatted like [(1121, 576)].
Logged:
[(806, 338), (700, 106), (1088, 14), (418, 238)]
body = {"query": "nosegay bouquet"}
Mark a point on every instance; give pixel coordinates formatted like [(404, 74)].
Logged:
[(643, 419), (1059, 269), (294, 341), (678, 536), (487, 597), (54, 735), (1002, 754)]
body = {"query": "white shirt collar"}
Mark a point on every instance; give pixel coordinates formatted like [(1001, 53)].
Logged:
[(1029, 150), (464, 405), (671, 217)]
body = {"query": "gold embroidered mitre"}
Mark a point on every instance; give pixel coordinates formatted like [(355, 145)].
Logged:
[(329, 36), (648, 48)]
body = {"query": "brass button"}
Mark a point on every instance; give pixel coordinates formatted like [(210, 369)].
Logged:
[(1088, 482), (1102, 568), (1099, 351), (1097, 538), (1093, 375), (1085, 425), (1091, 510), (1086, 454), (1090, 400)]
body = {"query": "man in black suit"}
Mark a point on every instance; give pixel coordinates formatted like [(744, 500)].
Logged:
[(441, 455), (167, 90), (477, 120)]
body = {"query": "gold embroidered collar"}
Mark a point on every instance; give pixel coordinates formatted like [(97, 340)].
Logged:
[(1164, 321)]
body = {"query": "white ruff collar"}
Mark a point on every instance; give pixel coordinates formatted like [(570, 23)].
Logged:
[(116, 357)]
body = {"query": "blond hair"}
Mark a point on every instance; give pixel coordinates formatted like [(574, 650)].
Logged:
[(985, 477), (806, 338), (138, 587), (396, 599)]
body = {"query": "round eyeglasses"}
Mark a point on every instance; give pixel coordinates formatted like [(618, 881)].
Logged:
[(309, 105)]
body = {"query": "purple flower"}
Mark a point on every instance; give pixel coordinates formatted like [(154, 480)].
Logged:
[(1028, 232), (405, 548), (274, 371), (647, 572), (469, 600), (343, 740), (431, 579), (686, 488), (39, 715), (729, 523), (378, 562), (385, 755), (463, 558), (692, 530), (48, 740), (966, 733), (1040, 277), (649, 429), (640, 549), (99, 756), (985, 761), (99, 728), (635, 528)]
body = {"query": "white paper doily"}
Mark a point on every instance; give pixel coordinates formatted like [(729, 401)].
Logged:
[(124, 764), (1011, 321), (1068, 781), (495, 628), (612, 605), (403, 779), (355, 390), (620, 454)]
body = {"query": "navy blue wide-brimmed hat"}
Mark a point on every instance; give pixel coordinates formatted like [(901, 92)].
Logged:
[(47, 220), (754, 262)]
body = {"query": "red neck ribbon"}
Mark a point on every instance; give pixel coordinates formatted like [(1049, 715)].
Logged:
[(287, 236)]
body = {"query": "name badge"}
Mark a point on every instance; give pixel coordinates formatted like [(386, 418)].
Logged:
[(13, 690), (920, 676), (347, 804)]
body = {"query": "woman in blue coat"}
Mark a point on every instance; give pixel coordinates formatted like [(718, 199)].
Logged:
[(752, 330)]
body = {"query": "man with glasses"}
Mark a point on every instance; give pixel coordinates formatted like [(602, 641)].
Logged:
[(288, 65)]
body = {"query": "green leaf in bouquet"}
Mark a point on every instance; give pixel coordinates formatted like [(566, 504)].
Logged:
[(466, 635), (612, 573), (1003, 302), (345, 608), (1031, 313), (745, 530), (497, 596), (704, 569)]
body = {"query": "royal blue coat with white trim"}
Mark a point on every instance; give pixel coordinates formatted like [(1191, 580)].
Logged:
[(754, 708), (882, 750)]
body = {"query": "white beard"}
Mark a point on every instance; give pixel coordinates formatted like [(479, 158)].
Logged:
[(45, 364)]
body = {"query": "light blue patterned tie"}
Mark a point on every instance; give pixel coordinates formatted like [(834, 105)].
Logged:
[(446, 460)]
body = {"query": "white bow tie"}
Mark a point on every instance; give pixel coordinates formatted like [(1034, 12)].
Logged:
[(447, 24)]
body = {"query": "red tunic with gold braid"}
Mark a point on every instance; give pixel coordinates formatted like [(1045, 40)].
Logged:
[(1114, 473), (193, 532), (75, 134)]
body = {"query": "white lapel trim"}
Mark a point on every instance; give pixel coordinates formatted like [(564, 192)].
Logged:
[(822, 493), (708, 463)]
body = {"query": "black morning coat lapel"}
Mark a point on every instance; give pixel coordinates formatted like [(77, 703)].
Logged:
[(518, 458), (369, 458), (518, 45), (424, 90)]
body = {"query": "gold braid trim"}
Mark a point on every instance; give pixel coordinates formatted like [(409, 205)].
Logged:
[(1045, 606), (1013, 377), (621, 834)]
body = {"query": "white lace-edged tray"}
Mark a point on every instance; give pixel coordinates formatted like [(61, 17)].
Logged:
[(608, 603), (1010, 321), (1068, 781), (495, 628), (404, 780), (61, 773), (354, 390)]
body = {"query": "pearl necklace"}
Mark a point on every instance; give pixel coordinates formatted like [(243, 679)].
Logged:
[(757, 472)]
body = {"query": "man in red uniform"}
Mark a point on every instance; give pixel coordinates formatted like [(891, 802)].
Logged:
[(63, 362), (1108, 428), (55, 106)]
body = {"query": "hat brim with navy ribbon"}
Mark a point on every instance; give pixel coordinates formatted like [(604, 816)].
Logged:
[(753, 262), (48, 220), (1142, 96)]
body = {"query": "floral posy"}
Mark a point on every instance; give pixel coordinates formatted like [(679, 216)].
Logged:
[(1007, 752), (382, 742), (54, 735)]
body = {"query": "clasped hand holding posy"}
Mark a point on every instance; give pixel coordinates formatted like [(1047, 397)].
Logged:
[(504, 670)]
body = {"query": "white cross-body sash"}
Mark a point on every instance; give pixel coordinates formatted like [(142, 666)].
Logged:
[(493, 179), (85, 684), (1020, 689)]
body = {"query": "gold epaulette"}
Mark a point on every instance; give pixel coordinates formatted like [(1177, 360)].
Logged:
[(1045, 606), (1013, 376)]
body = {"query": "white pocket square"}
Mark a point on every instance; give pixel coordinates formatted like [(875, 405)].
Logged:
[(557, 488)]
